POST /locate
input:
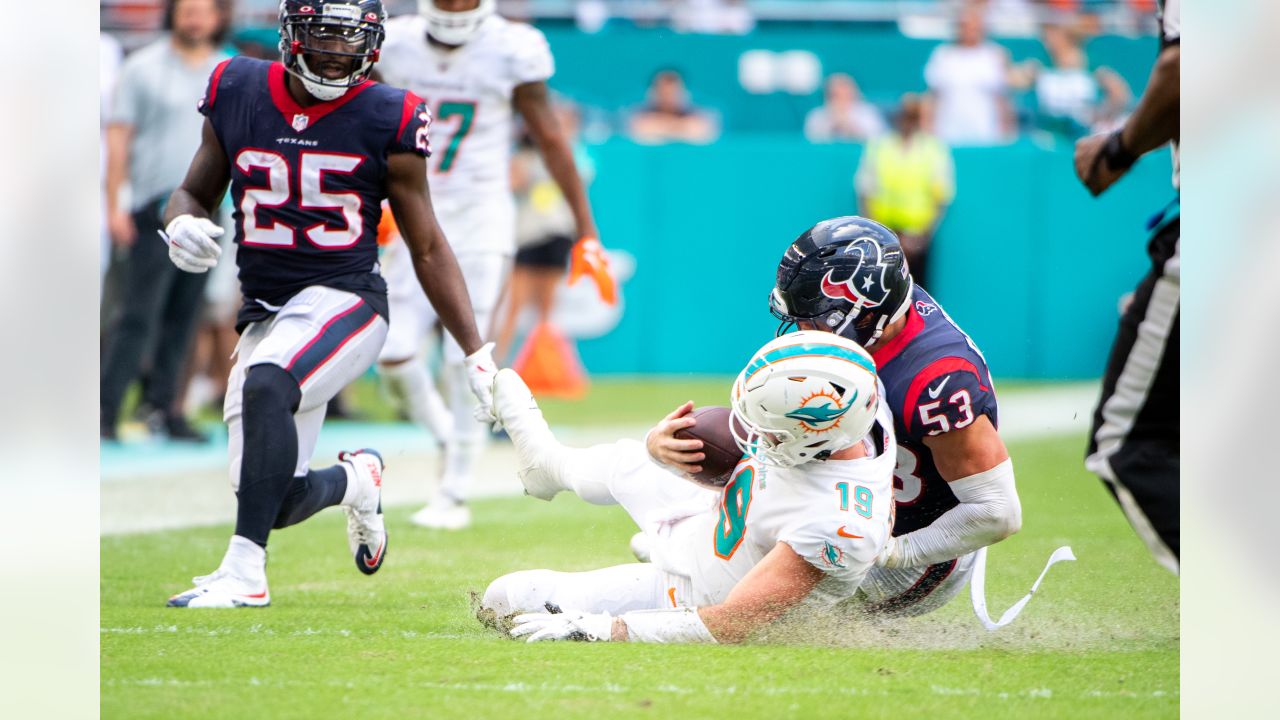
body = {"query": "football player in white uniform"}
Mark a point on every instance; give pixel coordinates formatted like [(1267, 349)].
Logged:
[(800, 521), (475, 69)]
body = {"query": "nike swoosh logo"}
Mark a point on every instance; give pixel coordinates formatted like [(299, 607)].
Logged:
[(934, 392), (373, 561), (841, 532)]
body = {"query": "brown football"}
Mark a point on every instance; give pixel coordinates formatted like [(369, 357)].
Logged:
[(722, 453)]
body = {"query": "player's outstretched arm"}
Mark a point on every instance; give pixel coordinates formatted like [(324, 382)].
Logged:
[(976, 465), (207, 178), (433, 259), (776, 584), (531, 99)]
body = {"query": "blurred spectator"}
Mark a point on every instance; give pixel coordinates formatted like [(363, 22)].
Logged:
[(713, 17), (545, 231), (1070, 100), (153, 131), (905, 182), (669, 115), (109, 57), (843, 115), (969, 79)]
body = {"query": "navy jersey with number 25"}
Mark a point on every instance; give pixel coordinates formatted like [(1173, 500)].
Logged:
[(308, 183), (936, 381)]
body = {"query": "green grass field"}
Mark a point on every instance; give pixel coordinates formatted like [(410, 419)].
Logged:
[(1099, 640)]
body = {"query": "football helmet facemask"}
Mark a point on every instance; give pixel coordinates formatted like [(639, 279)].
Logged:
[(846, 275), (319, 31)]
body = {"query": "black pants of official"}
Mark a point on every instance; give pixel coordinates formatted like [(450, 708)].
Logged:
[(159, 308), (1133, 445)]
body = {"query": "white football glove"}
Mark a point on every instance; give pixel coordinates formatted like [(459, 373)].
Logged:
[(571, 625), (481, 372), (193, 243)]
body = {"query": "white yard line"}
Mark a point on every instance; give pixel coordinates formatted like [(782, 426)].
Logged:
[(146, 488)]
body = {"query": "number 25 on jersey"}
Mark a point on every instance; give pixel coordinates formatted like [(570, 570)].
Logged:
[(311, 195)]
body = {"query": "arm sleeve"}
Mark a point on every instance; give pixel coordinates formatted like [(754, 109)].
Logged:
[(989, 511), (531, 59), (414, 132)]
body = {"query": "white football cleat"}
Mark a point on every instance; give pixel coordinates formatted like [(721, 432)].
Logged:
[(366, 532), (535, 445), (223, 590), (443, 513)]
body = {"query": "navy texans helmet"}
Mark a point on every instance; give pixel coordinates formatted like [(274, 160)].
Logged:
[(350, 32), (846, 275)]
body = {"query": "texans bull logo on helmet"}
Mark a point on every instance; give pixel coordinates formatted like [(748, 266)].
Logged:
[(866, 287)]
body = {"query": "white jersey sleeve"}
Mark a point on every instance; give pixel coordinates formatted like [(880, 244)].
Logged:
[(530, 59), (848, 524)]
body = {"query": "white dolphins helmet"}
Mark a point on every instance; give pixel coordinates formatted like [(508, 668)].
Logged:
[(803, 396), (454, 28)]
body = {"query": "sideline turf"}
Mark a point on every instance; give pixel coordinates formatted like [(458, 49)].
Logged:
[(1099, 640)]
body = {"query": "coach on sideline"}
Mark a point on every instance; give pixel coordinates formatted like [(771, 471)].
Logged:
[(1134, 444), (152, 132)]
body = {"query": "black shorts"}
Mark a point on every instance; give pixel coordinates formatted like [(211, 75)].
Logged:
[(1133, 444), (551, 253)]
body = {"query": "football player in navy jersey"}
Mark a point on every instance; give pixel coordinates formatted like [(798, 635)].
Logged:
[(310, 147), (953, 482), (954, 485)]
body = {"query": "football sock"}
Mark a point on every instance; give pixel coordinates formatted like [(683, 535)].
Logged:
[(409, 381), (309, 494), (270, 397), (245, 558), (468, 436)]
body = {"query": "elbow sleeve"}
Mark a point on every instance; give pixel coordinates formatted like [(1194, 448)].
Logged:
[(989, 511)]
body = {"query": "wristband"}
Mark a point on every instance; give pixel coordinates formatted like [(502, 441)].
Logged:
[(1117, 156), (679, 625)]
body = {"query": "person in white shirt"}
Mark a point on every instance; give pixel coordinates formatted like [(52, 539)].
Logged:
[(817, 477), (475, 70), (843, 115), (1071, 99), (969, 79)]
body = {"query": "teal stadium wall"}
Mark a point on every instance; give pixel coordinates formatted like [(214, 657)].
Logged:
[(1030, 265)]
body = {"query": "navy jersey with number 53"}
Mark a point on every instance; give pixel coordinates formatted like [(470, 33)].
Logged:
[(936, 381), (308, 183)]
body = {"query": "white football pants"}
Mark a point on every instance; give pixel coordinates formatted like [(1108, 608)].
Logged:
[(325, 338), (658, 502)]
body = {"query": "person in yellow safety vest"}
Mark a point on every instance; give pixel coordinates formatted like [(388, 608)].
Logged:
[(906, 180)]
